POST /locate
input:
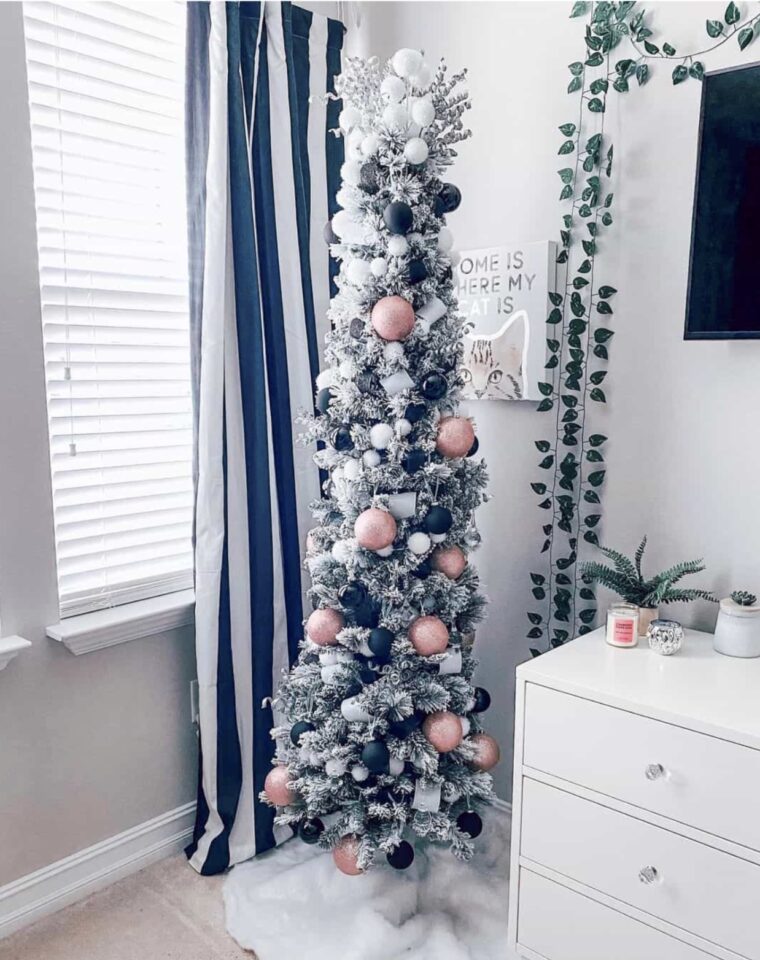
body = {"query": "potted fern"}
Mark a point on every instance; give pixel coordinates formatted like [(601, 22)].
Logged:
[(625, 578)]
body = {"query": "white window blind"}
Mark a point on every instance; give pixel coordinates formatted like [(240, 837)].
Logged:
[(107, 115)]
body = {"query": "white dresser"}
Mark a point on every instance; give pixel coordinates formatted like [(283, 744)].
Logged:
[(636, 810)]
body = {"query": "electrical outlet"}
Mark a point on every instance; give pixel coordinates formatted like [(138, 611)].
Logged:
[(194, 705)]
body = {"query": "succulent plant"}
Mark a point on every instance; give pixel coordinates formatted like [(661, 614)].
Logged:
[(626, 579), (744, 598)]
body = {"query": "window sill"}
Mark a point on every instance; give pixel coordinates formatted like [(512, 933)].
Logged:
[(9, 647), (131, 621)]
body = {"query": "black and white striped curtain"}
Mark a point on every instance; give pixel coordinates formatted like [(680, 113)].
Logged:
[(263, 169)]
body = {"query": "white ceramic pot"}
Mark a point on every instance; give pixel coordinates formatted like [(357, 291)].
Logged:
[(737, 632), (646, 616)]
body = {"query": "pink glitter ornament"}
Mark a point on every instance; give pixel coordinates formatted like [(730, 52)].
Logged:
[(346, 856), (488, 752), (455, 437), (323, 626), (443, 730), (429, 635), (450, 561), (276, 787), (393, 318), (375, 529)]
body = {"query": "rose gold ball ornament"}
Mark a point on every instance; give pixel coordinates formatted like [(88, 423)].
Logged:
[(443, 730), (375, 529), (276, 787), (488, 753), (393, 318), (450, 561), (323, 626), (346, 856), (455, 437), (429, 635)]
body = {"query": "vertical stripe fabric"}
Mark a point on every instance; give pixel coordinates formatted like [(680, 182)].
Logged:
[(263, 168)]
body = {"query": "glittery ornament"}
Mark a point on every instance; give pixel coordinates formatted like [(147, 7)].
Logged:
[(429, 635), (393, 318), (455, 436), (488, 753), (324, 625), (443, 730), (276, 787), (346, 856), (449, 561), (375, 529)]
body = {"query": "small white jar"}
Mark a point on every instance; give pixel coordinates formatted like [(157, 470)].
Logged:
[(737, 632), (622, 625)]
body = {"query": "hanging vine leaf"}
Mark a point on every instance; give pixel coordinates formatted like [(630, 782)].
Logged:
[(668, 50), (567, 147), (732, 14), (697, 70), (642, 74), (545, 389), (567, 129), (745, 37), (579, 9), (596, 478), (605, 291), (714, 28), (598, 395), (680, 74)]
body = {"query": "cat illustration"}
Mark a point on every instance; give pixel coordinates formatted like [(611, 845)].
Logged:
[(493, 364)]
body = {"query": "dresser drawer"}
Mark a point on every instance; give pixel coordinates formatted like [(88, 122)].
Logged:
[(705, 782), (698, 888), (560, 924)]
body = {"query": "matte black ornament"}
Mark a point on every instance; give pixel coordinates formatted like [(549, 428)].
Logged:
[(474, 448), (417, 271), (375, 757), (482, 700), (368, 676), (380, 642), (450, 196), (356, 328), (434, 386), (329, 234), (353, 689), (423, 570), (402, 728), (298, 729), (415, 412), (311, 830), (323, 399), (414, 460), (439, 207), (470, 823), (366, 615), (402, 857), (342, 439), (366, 382), (352, 594), (370, 177), (398, 217), (438, 520)]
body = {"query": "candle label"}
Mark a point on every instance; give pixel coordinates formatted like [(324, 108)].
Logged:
[(623, 632)]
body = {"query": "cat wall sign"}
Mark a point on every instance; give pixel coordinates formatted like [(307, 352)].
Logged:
[(504, 299)]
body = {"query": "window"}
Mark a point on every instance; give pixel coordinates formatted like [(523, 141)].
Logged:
[(106, 92)]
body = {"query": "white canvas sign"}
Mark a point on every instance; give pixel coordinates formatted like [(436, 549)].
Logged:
[(504, 298)]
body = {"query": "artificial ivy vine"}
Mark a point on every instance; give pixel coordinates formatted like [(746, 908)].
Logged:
[(580, 322)]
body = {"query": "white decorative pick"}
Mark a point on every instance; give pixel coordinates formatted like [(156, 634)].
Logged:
[(402, 505), (427, 797)]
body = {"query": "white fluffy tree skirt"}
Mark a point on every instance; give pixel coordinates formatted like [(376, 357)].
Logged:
[(292, 902)]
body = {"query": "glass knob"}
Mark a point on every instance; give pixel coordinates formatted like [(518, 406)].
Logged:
[(648, 874), (655, 771)]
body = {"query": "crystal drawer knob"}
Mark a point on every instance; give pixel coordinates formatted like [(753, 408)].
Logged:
[(648, 874), (655, 771)]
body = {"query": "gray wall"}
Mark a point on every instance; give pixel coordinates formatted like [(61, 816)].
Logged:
[(683, 458), (90, 745)]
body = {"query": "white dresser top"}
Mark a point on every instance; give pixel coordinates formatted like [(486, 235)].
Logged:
[(695, 687)]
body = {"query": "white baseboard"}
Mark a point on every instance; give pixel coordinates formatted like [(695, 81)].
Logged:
[(49, 889)]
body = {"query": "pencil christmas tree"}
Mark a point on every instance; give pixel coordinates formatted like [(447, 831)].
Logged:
[(382, 741)]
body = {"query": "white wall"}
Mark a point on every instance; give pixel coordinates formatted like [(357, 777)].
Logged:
[(683, 460), (90, 745)]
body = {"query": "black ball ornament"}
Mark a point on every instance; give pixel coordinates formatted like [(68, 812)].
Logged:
[(450, 196), (352, 594), (329, 234), (434, 386), (311, 830), (298, 729), (398, 217), (414, 460), (366, 615), (417, 271), (402, 857), (474, 448), (380, 642), (423, 570), (402, 728), (439, 207), (342, 440), (470, 823), (415, 412), (375, 757), (368, 676), (438, 520), (356, 328), (366, 382), (370, 177), (323, 399), (482, 700)]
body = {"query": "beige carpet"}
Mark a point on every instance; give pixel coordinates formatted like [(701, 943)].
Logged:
[(165, 912)]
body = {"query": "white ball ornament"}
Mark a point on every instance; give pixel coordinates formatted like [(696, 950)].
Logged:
[(393, 350), (380, 435), (395, 117), (342, 223), (418, 543), (326, 378), (352, 470), (358, 271), (465, 726), (445, 240), (379, 267), (347, 369), (395, 766), (416, 150), (354, 139), (348, 118), (393, 89), (359, 772), (371, 458), (437, 537), (351, 173), (335, 767), (397, 246), (342, 551), (407, 62), (385, 551), (370, 145), (422, 78), (403, 428), (423, 112)]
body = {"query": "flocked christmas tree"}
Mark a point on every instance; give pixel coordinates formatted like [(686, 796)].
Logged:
[(382, 737)]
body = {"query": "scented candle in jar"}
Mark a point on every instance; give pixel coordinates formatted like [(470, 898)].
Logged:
[(622, 625)]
